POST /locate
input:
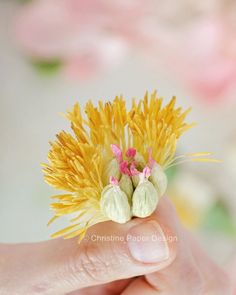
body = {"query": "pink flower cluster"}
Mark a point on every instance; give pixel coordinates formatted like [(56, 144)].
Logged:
[(93, 35), (86, 36)]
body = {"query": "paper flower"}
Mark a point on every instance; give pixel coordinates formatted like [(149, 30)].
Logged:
[(113, 168)]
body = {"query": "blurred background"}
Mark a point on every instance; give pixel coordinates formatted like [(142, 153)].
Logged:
[(56, 52)]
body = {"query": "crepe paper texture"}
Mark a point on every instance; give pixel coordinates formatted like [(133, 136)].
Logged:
[(114, 165)]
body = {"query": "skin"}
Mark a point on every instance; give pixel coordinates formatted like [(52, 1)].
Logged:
[(97, 267)]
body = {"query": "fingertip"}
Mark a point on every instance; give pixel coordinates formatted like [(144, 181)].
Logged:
[(172, 240)]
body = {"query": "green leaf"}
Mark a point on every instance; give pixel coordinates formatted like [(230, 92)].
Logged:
[(47, 67), (218, 219)]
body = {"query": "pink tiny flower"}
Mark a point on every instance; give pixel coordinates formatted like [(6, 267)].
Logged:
[(113, 180), (133, 169), (146, 172), (124, 168), (151, 161), (131, 153), (117, 152)]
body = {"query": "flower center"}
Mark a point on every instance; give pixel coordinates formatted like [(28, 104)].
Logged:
[(127, 163)]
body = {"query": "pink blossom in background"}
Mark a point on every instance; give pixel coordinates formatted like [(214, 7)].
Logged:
[(97, 58), (232, 274), (87, 36), (199, 57), (195, 42)]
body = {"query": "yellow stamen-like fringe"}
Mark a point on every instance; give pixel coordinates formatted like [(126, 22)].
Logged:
[(76, 163)]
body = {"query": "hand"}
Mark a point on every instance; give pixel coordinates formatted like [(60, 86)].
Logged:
[(112, 260)]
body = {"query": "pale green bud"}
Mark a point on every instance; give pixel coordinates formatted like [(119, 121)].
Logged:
[(126, 186), (140, 164), (159, 179), (145, 199), (135, 180), (139, 159), (111, 169), (114, 204)]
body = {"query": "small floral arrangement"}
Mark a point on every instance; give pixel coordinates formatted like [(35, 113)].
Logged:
[(114, 167)]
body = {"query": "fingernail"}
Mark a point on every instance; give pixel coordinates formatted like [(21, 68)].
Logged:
[(147, 243)]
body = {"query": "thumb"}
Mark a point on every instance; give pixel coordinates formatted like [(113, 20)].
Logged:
[(109, 252)]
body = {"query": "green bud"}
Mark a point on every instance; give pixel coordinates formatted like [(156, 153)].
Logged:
[(126, 186), (140, 164), (114, 204), (145, 199), (111, 169), (139, 161), (135, 180), (159, 179)]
